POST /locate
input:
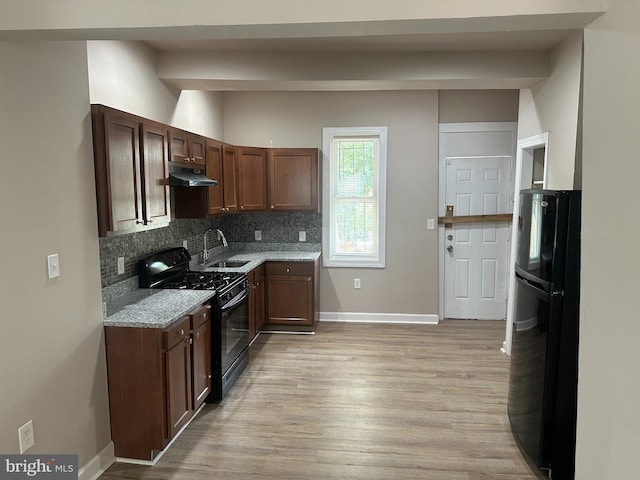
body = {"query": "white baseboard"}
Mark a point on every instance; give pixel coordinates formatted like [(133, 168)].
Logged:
[(428, 319), (98, 464)]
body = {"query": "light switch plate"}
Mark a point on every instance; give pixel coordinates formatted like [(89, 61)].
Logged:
[(257, 234), (302, 236), (53, 265), (120, 265), (431, 223), (184, 244)]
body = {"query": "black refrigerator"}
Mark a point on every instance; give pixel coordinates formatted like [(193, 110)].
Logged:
[(544, 350)]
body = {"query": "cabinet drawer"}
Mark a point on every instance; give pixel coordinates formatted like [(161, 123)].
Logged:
[(200, 316), (177, 332), (289, 268)]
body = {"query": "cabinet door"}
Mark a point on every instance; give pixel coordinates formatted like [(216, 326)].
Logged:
[(155, 155), (201, 355), (178, 375), (252, 178), (179, 145), (289, 299), (259, 319), (293, 179), (196, 150), (123, 159), (256, 301), (230, 177), (214, 171)]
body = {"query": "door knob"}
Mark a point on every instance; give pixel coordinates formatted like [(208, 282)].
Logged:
[(450, 249)]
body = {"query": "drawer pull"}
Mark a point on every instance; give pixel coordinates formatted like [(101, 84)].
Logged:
[(182, 331)]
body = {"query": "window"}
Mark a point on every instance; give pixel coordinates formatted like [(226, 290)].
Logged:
[(353, 224)]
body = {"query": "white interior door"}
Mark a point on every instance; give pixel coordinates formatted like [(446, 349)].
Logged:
[(476, 258), (476, 179)]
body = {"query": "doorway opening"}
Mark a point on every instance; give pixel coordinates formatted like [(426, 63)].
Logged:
[(476, 164), (531, 172)]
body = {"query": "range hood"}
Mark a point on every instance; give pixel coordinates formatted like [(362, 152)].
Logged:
[(182, 176)]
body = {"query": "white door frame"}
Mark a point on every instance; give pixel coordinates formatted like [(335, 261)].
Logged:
[(523, 177), (442, 180)]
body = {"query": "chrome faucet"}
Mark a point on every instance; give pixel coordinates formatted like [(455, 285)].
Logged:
[(205, 253), (224, 239)]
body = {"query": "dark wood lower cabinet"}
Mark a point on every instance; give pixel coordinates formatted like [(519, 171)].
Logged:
[(201, 360), (178, 374), (256, 301), (157, 379), (291, 295)]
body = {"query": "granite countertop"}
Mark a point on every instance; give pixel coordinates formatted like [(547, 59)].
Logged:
[(151, 308), (255, 259)]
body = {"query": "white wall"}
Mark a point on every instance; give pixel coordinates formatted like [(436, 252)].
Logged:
[(53, 359), (553, 106), (122, 75), (409, 283), (608, 386)]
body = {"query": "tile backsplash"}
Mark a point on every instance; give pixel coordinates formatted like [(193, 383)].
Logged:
[(277, 228)]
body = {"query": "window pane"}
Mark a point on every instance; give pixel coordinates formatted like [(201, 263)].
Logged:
[(356, 227), (355, 168)]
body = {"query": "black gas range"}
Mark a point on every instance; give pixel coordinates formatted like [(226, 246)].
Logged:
[(170, 269), (230, 307)]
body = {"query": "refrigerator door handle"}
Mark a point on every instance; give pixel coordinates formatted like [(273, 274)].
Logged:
[(532, 279), (535, 287)]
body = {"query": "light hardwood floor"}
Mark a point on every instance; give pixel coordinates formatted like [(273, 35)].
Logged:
[(357, 401)]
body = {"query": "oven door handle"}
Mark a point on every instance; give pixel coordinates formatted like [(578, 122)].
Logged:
[(235, 301)]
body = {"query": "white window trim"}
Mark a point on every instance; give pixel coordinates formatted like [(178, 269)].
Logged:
[(353, 262)]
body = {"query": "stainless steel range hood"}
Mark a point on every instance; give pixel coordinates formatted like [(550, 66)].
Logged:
[(183, 176)]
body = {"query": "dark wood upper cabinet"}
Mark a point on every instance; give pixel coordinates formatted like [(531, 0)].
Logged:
[(186, 147), (211, 201), (293, 179), (130, 156), (252, 178), (155, 156), (230, 178), (213, 155)]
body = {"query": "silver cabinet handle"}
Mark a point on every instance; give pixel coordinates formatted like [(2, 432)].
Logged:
[(181, 331)]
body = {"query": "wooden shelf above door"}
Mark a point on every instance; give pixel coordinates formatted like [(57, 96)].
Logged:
[(448, 221)]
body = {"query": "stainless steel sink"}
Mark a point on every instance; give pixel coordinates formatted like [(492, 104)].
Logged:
[(229, 263)]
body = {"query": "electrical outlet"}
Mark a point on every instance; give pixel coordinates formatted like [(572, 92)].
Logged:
[(431, 223), (25, 436), (356, 283), (120, 265), (257, 234), (184, 243), (302, 236), (53, 265)]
